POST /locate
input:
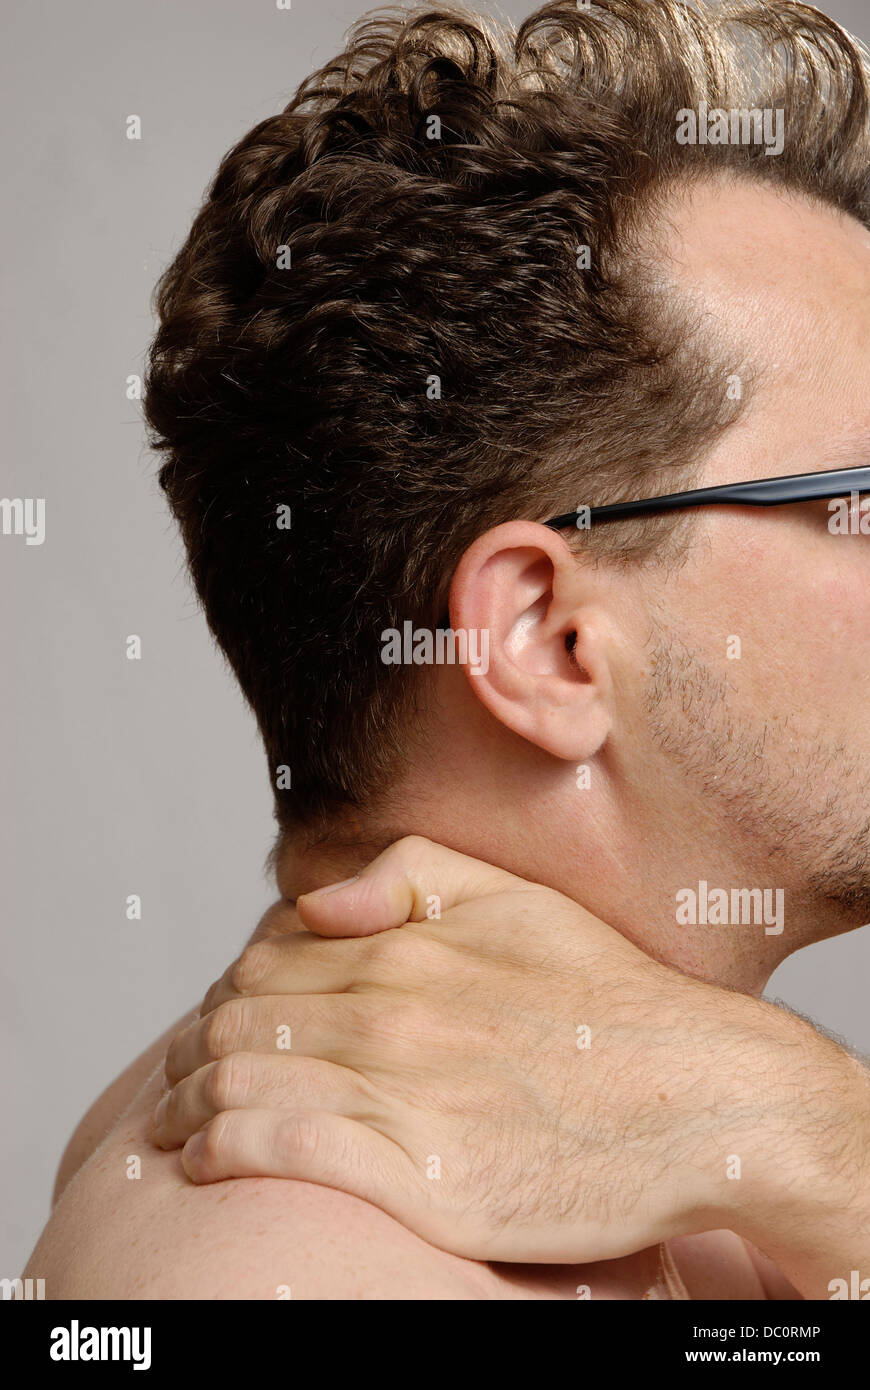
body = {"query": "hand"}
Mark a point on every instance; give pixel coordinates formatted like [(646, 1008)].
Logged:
[(444, 1070)]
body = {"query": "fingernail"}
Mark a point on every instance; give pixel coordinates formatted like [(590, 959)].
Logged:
[(160, 1112), (331, 888), (193, 1148)]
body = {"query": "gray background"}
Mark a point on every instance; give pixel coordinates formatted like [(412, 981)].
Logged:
[(146, 776)]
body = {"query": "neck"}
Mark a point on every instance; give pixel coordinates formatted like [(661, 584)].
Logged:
[(705, 951), (301, 869)]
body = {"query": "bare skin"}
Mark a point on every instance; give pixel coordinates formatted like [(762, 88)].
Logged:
[(751, 772), (253, 1237)]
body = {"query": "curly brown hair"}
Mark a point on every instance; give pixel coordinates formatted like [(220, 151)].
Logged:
[(382, 321)]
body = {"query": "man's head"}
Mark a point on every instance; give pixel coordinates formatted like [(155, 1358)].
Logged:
[(469, 280)]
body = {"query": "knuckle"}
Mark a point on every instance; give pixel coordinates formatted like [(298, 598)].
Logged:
[(414, 844), (210, 996), (299, 1135), (222, 1029), (171, 1068), (172, 1101), (229, 1082), (217, 1142), (412, 849), (407, 952), (386, 949), (396, 1023), (250, 968)]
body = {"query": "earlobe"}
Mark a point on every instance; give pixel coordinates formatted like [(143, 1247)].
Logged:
[(547, 677)]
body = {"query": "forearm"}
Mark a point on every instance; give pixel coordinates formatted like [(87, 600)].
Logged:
[(824, 1262), (810, 1212)]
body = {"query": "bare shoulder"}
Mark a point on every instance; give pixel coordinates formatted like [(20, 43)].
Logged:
[(98, 1121), (130, 1225)]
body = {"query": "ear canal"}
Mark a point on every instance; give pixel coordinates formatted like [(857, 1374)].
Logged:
[(571, 649)]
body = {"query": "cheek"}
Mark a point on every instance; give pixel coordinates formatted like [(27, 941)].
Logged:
[(807, 644), (841, 632), (786, 628), (843, 607), (758, 630)]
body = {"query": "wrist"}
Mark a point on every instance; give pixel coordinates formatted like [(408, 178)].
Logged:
[(804, 1194)]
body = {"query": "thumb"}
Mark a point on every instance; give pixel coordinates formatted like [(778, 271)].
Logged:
[(398, 887)]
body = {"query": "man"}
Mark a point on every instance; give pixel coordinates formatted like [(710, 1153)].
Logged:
[(457, 290)]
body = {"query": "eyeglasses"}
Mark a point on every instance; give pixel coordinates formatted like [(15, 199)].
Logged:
[(764, 492)]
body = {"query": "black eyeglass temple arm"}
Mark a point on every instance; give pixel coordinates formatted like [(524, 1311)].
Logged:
[(763, 492)]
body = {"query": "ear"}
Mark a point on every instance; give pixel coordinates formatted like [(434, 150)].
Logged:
[(547, 675)]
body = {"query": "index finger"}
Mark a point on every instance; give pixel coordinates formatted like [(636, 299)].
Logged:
[(295, 963)]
